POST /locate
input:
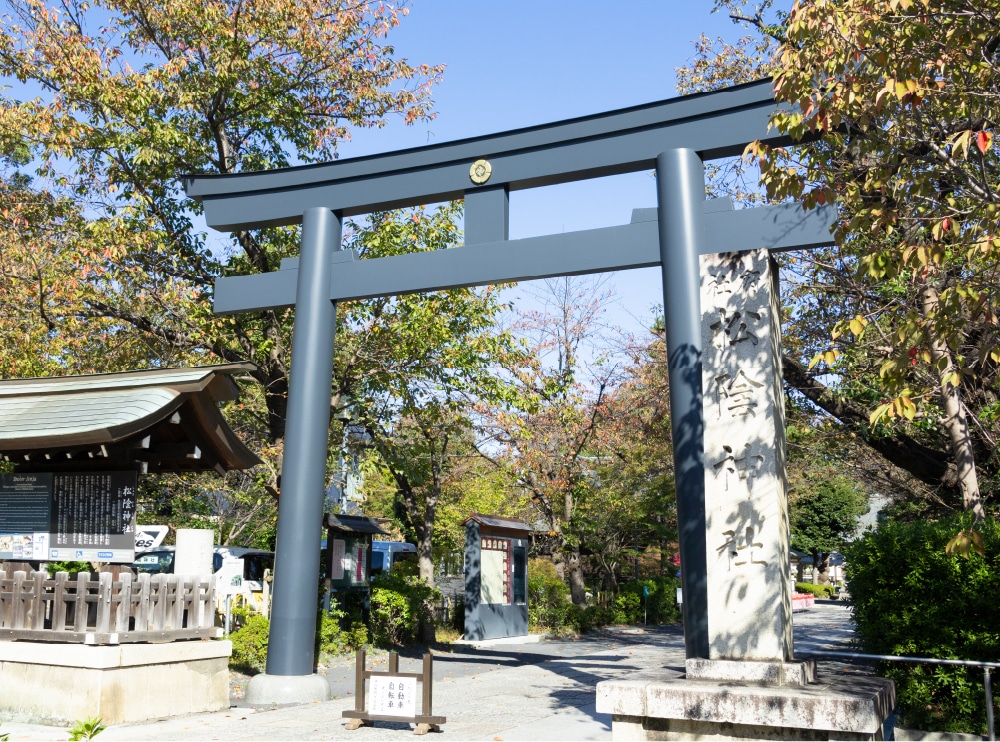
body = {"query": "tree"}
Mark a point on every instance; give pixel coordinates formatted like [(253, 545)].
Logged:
[(905, 97), (823, 512), (633, 505), (474, 486), (133, 95), (901, 316), (104, 264), (545, 432), (415, 364)]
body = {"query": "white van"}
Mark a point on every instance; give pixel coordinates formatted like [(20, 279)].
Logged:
[(387, 553), (238, 570)]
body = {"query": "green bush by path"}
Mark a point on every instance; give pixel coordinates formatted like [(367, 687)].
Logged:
[(824, 592), (548, 597), (337, 631), (658, 606), (550, 609), (913, 599), (398, 607), (250, 645)]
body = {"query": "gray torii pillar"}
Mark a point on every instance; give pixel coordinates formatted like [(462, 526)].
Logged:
[(680, 195), (741, 679), (289, 677)]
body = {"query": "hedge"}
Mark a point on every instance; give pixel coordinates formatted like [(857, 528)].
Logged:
[(911, 598), (820, 591)]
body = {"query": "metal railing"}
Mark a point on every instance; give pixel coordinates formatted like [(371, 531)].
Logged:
[(986, 666)]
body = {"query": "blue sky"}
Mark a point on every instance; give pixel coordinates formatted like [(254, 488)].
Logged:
[(516, 63)]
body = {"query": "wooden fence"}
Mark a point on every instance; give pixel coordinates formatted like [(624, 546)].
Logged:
[(150, 608)]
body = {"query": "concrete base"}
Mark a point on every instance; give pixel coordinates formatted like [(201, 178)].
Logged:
[(267, 689), (750, 671), (486, 643), (671, 707), (48, 683)]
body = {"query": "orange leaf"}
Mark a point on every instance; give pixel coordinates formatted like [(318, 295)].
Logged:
[(983, 140)]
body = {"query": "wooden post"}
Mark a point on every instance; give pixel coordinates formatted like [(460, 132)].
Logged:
[(180, 588), (158, 589), (103, 623), (59, 602), (6, 604), (427, 686), (80, 609), (206, 614), (18, 617), (142, 615), (359, 679), (38, 601), (360, 659), (124, 603)]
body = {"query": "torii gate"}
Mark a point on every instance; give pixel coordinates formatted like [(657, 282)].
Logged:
[(672, 136)]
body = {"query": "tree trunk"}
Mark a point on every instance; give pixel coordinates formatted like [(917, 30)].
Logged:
[(608, 578), (558, 554), (425, 562), (577, 589), (955, 421), (425, 557)]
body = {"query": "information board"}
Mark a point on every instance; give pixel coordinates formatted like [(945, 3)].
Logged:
[(392, 695), (338, 559), (349, 562), (86, 516)]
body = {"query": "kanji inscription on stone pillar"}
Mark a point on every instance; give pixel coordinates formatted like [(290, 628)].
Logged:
[(749, 604)]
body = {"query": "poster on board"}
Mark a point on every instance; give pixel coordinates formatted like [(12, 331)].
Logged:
[(86, 516)]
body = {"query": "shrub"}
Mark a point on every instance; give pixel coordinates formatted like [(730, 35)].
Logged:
[(580, 620), (338, 632), (548, 596), (660, 603), (250, 645), (71, 567), (912, 598), (627, 607), (397, 608), (250, 637), (824, 592)]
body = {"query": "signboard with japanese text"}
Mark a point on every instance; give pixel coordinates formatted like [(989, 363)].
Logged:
[(495, 571), (338, 559), (391, 695), (87, 516), (349, 562), (358, 575)]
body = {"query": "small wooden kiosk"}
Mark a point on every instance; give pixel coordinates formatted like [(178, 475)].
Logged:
[(496, 577), (348, 558)]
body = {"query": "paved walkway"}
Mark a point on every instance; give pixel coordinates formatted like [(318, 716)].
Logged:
[(541, 691)]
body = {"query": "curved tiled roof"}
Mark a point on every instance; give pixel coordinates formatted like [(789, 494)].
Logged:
[(157, 420)]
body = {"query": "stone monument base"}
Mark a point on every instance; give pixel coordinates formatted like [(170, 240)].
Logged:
[(58, 684), (722, 700)]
